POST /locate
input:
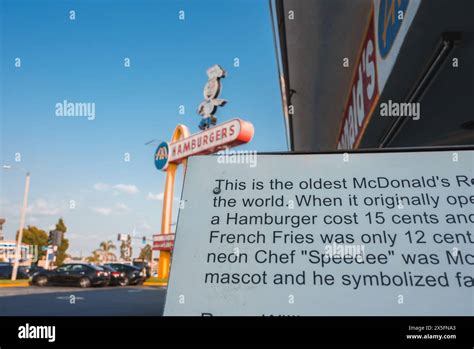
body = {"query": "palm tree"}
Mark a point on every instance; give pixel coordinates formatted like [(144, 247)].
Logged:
[(105, 250), (94, 258)]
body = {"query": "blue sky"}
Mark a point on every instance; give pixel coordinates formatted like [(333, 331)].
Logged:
[(72, 158)]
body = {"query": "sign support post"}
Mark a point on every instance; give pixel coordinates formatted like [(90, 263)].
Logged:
[(181, 131)]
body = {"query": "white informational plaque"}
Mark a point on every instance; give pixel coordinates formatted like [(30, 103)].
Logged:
[(383, 233)]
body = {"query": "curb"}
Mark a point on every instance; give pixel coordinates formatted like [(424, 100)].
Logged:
[(14, 285), (155, 284)]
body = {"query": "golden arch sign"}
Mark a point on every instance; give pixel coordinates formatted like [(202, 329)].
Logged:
[(169, 155)]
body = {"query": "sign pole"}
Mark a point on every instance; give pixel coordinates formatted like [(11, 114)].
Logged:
[(22, 226), (181, 131)]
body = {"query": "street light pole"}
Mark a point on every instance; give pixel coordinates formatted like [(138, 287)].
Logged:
[(22, 225)]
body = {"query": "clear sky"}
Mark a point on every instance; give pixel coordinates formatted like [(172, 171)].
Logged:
[(82, 60)]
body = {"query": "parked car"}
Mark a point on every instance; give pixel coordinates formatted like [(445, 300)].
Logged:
[(80, 274), (33, 269), (6, 270), (116, 277), (144, 267), (133, 275)]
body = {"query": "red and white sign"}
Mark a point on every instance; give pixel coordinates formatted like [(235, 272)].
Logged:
[(163, 242), (226, 135), (364, 93)]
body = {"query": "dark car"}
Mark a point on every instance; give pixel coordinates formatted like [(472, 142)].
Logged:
[(33, 269), (6, 270), (133, 275), (116, 277), (83, 275), (144, 267)]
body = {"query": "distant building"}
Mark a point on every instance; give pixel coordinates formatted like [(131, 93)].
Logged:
[(74, 259), (8, 252)]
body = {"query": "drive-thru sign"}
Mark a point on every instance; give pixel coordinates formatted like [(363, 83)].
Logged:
[(382, 233)]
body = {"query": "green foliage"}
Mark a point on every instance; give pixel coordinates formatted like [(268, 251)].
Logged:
[(61, 226), (36, 237), (61, 253), (146, 253)]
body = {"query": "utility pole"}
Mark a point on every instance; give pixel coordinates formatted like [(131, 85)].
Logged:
[(22, 225)]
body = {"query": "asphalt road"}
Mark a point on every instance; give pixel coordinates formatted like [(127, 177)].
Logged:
[(73, 301)]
